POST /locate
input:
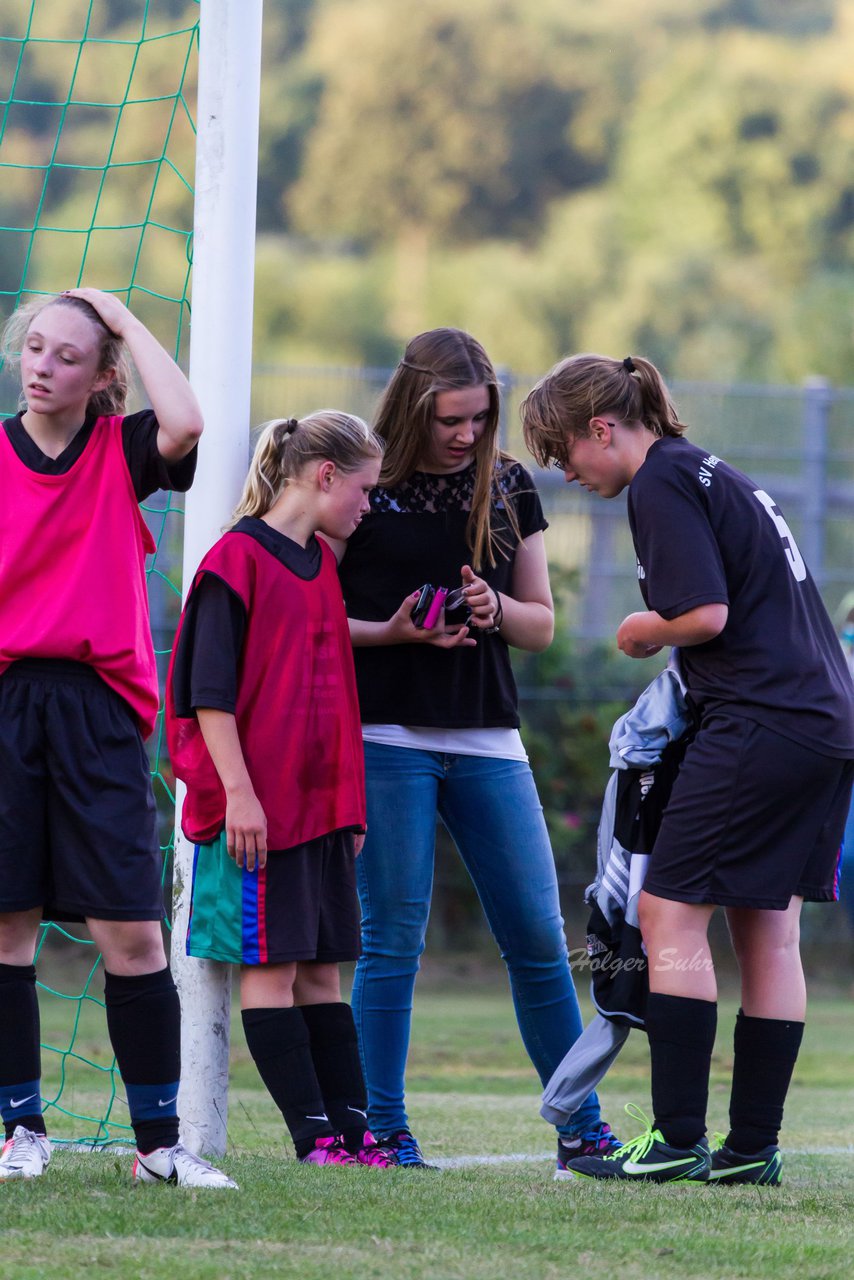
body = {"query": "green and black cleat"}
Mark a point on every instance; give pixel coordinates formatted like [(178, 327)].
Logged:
[(762, 1169), (646, 1158)]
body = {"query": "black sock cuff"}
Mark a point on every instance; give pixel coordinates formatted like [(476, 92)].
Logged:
[(17, 973), (329, 1023), (144, 1024), (270, 1032), (681, 1020), (152, 1134), (20, 1059), (768, 1036), (35, 1124), (119, 988)]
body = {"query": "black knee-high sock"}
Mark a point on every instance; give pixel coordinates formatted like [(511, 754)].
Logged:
[(766, 1050), (681, 1035), (20, 1056), (144, 1023), (335, 1052), (279, 1043)]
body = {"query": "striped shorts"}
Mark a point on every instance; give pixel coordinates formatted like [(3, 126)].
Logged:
[(301, 906)]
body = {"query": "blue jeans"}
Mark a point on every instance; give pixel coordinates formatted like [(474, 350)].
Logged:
[(846, 870), (493, 813)]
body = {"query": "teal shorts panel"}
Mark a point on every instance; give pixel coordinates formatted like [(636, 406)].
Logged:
[(215, 930), (301, 906)]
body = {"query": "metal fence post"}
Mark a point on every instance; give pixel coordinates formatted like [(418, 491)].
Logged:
[(597, 621), (817, 400), (507, 383)]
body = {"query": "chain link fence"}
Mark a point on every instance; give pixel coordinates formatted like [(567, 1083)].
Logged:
[(795, 442)]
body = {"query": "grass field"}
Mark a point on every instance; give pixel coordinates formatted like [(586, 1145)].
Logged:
[(493, 1210)]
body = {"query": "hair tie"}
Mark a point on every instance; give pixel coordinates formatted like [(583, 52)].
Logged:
[(291, 425), (629, 365)]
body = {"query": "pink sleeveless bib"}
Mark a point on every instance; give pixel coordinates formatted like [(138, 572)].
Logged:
[(72, 568)]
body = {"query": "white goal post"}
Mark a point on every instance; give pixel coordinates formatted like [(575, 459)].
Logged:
[(220, 372)]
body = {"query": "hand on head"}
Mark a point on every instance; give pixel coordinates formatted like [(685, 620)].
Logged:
[(112, 311)]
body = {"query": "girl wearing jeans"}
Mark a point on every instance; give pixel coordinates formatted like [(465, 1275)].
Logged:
[(440, 718)]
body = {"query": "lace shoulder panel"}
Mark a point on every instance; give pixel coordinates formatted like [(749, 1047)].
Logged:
[(426, 493)]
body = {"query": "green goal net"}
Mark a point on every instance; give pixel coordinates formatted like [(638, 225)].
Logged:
[(96, 163)]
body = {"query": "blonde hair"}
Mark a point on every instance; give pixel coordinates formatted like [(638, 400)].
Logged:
[(286, 445), (113, 352), (582, 387), (445, 360)]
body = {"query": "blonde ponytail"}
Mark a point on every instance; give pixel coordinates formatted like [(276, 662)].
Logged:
[(286, 445)]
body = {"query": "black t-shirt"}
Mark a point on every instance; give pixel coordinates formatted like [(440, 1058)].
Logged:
[(704, 533), (148, 470), (416, 533), (207, 659)]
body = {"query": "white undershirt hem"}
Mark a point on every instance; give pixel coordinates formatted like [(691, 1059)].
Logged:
[(501, 744)]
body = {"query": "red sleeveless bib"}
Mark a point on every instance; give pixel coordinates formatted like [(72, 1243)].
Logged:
[(297, 710)]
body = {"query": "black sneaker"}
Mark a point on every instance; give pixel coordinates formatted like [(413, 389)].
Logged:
[(406, 1149), (598, 1141), (646, 1158), (728, 1166)]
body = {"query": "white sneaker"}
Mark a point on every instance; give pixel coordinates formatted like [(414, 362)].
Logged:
[(24, 1155), (180, 1166)]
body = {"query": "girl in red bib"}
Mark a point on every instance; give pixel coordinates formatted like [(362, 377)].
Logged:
[(263, 727), (78, 693)]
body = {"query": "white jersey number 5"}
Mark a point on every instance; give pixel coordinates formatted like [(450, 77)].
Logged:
[(793, 555)]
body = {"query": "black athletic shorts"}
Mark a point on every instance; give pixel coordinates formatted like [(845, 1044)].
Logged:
[(301, 906), (753, 819), (78, 822)]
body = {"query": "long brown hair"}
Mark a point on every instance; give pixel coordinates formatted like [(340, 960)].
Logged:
[(445, 360), (579, 388), (112, 398)]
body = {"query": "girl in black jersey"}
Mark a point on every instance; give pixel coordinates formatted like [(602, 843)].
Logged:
[(440, 719), (757, 811)]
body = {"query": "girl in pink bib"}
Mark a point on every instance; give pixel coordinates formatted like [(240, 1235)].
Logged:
[(78, 693)]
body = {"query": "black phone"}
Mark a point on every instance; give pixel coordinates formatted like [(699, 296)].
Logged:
[(422, 605)]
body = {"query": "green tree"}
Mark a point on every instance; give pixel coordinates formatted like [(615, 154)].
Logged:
[(450, 125), (290, 94), (732, 192)]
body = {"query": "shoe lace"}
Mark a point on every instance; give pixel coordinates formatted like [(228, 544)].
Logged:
[(190, 1157), (603, 1137), (598, 1140), (338, 1153), (375, 1153), (22, 1140), (404, 1146), (638, 1146)]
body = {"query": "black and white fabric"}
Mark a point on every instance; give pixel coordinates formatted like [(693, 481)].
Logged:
[(647, 745)]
